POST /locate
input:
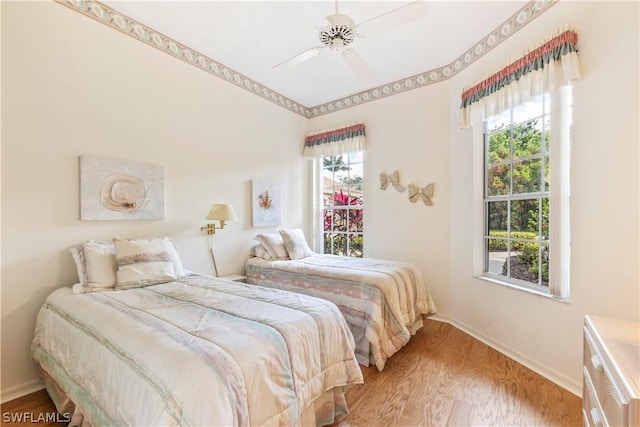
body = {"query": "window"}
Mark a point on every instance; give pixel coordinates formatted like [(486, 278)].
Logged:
[(342, 204), (524, 162)]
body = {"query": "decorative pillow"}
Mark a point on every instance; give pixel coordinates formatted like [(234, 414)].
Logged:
[(295, 243), (273, 244), (96, 264), (144, 262), (260, 252)]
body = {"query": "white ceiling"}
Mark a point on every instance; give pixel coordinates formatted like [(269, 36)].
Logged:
[(250, 37)]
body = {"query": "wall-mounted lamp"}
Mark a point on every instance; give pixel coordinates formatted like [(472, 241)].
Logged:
[(221, 213)]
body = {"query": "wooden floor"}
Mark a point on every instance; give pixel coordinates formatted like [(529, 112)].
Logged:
[(27, 410), (443, 377)]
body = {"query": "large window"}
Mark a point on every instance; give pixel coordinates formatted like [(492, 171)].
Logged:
[(342, 210), (518, 193)]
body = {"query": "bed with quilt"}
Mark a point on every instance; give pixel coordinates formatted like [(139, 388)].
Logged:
[(192, 350), (382, 301)]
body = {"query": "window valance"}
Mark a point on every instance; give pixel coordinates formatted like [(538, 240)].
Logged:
[(552, 63), (335, 141)]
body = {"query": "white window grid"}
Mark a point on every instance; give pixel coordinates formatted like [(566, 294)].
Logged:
[(541, 239), (351, 191)]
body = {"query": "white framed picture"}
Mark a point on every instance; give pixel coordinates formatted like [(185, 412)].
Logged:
[(120, 190), (266, 206)]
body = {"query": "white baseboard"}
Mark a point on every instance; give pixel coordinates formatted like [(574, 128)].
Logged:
[(20, 390), (556, 377)]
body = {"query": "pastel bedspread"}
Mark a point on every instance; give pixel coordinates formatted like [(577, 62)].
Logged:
[(197, 351), (382, 301)]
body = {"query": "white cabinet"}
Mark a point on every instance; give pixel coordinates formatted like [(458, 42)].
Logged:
[(611, 388)]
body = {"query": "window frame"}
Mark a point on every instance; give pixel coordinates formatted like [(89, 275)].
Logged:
[(511, 196), (559, 202), (319, 202)]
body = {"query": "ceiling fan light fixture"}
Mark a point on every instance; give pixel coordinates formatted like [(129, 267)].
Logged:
[(337, 45), (339, 34)]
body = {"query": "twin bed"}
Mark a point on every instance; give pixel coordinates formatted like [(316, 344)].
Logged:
[(140, 342), (195, 351), (382, 301)]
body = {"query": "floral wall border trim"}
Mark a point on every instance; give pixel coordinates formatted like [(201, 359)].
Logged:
[(122, 23), (524, 16)]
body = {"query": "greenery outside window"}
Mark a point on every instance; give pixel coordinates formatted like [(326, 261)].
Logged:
[(517, 194), (342, 204)]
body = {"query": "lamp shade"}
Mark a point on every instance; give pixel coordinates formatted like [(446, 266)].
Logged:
[(222, 212)]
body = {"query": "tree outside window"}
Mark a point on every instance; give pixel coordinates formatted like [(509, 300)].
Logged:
[(343, 213), (517, 193)]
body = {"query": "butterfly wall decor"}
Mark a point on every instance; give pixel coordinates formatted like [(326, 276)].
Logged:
[(393, 179), (425, 193)]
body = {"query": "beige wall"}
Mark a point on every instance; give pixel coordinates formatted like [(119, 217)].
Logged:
[(76, 87), (412, 133), (72, 86), (542, 333), (407, 133)]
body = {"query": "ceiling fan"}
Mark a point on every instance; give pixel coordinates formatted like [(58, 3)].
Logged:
[(343, 30)]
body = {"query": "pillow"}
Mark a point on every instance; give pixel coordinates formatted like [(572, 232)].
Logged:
[(273, 244), (144, 262), (96, 264), (260, 252), (295, 243)]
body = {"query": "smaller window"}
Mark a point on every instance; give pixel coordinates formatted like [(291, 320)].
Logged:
[(342, 200)]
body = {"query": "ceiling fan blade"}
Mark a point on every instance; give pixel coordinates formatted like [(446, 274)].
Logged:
[(300, 58), (357, 65), (323, 9), (397, 17)]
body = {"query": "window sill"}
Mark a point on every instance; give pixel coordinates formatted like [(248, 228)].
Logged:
[(493, 279)]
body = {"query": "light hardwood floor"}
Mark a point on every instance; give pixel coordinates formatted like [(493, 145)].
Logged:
[(443, 377), (35, 406)]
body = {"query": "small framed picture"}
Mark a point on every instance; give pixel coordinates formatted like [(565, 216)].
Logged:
[(266, 206)]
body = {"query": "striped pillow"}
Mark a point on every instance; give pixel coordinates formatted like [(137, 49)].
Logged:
[(144, 262), (273, 244), (295, 243), (259, 251), (96, 264)]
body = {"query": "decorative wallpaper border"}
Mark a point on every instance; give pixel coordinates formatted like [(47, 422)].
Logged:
[(114, 19), (521, 18)]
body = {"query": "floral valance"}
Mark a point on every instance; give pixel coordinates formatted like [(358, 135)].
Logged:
[(335, 141), (553, 63)]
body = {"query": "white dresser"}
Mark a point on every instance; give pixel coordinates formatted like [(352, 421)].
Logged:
[(611, 388)]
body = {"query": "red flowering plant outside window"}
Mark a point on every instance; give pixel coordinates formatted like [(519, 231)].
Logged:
[(343, 212)]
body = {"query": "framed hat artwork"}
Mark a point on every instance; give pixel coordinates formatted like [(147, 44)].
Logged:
[(120, 190)]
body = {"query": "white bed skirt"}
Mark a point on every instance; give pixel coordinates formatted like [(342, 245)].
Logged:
[(322, 411)]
